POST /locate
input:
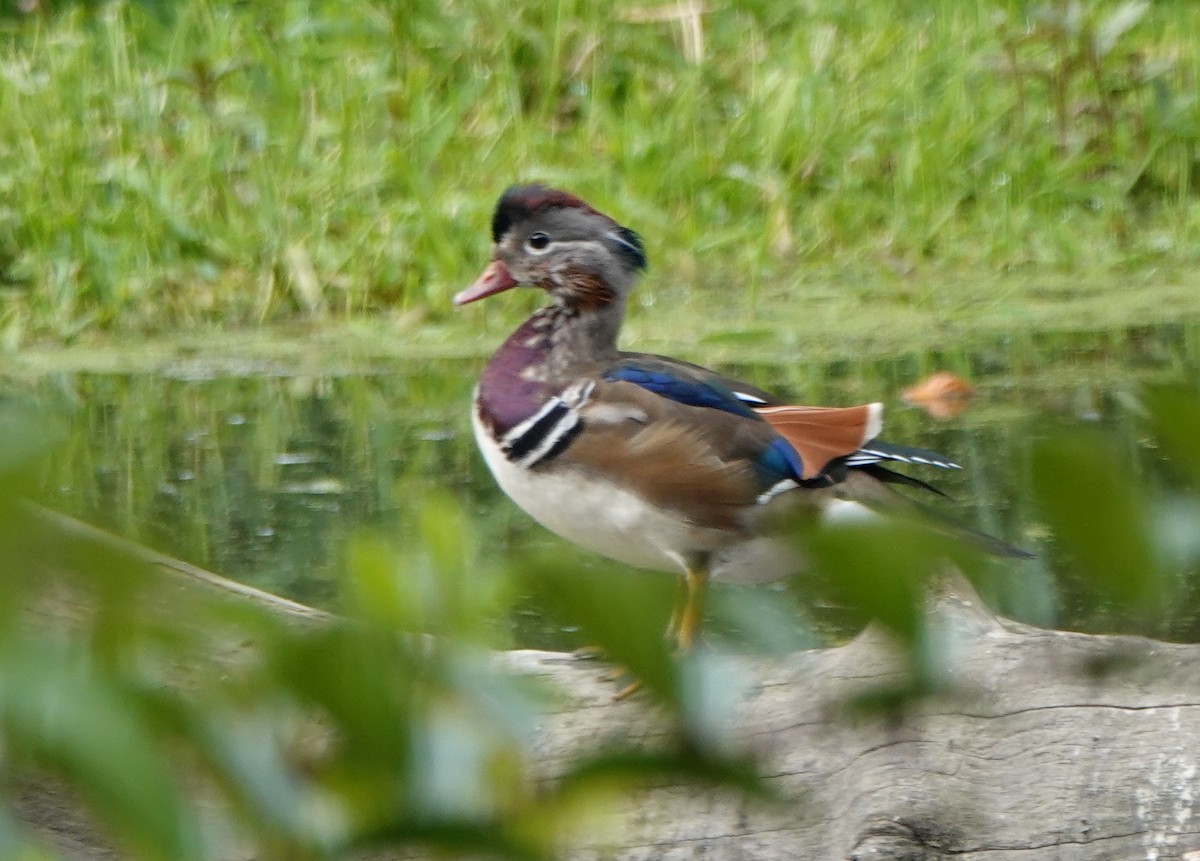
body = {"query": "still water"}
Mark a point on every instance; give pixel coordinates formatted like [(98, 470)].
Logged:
[(262, 474)]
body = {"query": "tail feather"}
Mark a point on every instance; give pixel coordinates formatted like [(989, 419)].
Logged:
[(821, 435), (877, 450), (889, 477), (988, 543)]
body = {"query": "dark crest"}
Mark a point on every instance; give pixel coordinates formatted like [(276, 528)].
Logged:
[(630, 245), (520, 202)]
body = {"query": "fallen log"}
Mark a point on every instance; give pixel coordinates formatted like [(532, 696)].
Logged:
[(1041, 744), (1046, 744)]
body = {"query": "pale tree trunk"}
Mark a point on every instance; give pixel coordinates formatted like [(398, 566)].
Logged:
[(1045, 745)]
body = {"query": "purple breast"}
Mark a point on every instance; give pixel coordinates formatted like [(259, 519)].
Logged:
[(506, 397)]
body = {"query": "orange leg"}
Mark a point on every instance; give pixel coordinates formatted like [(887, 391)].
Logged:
[(686, 616), (691, 614), (681, 590)]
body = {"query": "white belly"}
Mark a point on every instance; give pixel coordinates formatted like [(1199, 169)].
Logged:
[(599, 515)]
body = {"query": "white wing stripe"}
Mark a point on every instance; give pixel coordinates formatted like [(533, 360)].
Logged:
[(775, 489), (748, 398)]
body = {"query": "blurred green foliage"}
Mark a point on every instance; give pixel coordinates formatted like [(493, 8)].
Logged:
[(1125, 531), (390, 726)]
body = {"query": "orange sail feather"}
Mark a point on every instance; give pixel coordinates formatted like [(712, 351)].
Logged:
[(823, 434)]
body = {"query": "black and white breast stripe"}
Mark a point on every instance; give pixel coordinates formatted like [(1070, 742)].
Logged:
[(549, 431)]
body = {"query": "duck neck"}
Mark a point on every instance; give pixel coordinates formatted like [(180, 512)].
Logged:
[(580, 335), (543, 356)]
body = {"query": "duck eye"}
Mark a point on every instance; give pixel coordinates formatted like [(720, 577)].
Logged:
[(539, 241)]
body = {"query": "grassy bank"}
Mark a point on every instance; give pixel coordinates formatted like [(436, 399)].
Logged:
[(231, 164)]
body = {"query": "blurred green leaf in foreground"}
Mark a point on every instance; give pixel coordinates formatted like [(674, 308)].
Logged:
[(393, 725)]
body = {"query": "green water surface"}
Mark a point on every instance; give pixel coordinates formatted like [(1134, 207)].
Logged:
[(261, 471)]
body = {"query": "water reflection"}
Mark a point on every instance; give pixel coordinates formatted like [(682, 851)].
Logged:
[(262, 477)]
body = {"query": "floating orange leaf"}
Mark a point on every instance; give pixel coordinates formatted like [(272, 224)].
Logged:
[(943, 395)]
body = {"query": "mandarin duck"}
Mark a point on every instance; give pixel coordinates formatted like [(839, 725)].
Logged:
[(651, 461)]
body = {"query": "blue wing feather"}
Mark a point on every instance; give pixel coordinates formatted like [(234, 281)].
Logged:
[(777, 461), (694, 392), (695, 386), (780, 461)]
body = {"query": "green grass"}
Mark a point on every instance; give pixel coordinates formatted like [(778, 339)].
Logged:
[(225, 165)]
